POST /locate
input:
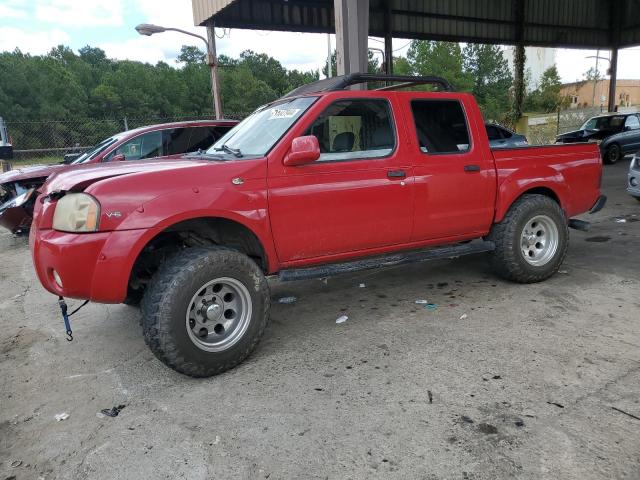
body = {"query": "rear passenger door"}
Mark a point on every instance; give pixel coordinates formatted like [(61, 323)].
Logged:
[(454, 172)]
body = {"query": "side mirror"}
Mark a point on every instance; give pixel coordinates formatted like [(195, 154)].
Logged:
[(118, 158), (303, 150)]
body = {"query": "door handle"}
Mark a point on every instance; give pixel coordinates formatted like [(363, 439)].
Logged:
[(472, 168), (396, 174)]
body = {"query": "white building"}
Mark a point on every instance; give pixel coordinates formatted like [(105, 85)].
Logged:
[(538, 60)]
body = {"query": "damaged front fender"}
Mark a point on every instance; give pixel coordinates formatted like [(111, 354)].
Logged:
[(15, 212)]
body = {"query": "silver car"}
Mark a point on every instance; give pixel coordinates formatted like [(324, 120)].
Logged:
[(633, 186)]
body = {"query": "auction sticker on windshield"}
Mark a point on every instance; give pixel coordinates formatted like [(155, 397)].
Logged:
[(283, 113)]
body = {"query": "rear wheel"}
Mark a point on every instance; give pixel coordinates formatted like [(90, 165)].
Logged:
[(613, 154), (531, 241), (205, 310)]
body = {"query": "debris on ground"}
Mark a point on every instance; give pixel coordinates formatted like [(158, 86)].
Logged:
[(559, 405), (466, 419), (342, 319), (113, 411), (621, 220), (362, 285), (61, 416), (463, 316), (430, 395), (487, 429), (422, 301), (519, 423), (15, 463), (287, 300), (626, 413), (431, 306)]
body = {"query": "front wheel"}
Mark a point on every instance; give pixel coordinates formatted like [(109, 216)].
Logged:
[(205, 310), (612, 154), (531, 241)]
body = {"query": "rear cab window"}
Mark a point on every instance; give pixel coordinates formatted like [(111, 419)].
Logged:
[(353, 129), (441, 126)]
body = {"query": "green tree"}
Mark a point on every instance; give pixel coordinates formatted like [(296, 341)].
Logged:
[(443, 59), (373, 65), (191, 55), (546, 98), (491, 76)]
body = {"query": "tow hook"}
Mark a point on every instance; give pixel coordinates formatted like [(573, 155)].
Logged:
[(65, 316)]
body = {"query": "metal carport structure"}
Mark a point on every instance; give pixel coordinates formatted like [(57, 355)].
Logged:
[(589, 24)]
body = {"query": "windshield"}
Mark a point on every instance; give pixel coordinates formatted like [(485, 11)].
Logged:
[(92, 152), (613, 122), (257, 133)]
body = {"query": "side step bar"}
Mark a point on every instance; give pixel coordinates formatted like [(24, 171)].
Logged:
[(579, 225), (449, 251)]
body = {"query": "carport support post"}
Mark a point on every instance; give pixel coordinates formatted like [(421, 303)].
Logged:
[(388, 41), (613, 76), (519, 59), (614, 29), (352, 31)]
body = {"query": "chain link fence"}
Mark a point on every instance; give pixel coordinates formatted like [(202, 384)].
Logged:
[(49, 140)]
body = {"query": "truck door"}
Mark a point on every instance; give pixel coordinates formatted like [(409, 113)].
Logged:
[(455, 183), (356, 196)]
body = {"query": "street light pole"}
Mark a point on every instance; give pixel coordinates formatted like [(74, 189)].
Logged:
[(595, 81), (149, 29), (212, 60)]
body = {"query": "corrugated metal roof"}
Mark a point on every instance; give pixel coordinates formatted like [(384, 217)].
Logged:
[(558, 23)]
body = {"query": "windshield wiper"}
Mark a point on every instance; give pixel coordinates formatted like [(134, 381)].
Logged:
[(233, 151)]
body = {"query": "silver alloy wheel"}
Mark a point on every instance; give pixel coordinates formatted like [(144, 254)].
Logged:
[(539, 240), (218, 314)]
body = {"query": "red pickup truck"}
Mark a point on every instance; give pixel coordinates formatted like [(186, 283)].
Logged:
[(322, 181)]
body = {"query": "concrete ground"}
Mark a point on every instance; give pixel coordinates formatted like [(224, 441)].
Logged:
[(500, 381)]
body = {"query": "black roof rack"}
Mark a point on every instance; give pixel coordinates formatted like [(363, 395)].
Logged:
[(343, 81)]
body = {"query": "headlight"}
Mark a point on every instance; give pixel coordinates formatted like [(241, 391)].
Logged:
[(19, 200), (76, 212)]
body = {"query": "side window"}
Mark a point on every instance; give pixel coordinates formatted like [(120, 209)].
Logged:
[(354, 129), (632, 122), (441, 126), (202, 138), (148, 145), (177, 140), (493, 133)]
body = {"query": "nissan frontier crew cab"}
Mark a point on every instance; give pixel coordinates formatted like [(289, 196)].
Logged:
[(324, 180)]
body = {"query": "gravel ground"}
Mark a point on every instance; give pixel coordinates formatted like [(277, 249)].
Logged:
[(499, 381)]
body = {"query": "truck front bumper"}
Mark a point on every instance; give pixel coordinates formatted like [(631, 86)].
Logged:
[(89, 266)]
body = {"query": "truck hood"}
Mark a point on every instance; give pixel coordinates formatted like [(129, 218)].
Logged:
[(27, 173), (585, 135), (82, 176)]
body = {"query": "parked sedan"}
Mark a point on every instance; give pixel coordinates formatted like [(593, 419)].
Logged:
[(618, 134), (500, 137), (633, 186), (169, 140)]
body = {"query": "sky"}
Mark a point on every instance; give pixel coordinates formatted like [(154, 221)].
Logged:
[(35, 26)]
